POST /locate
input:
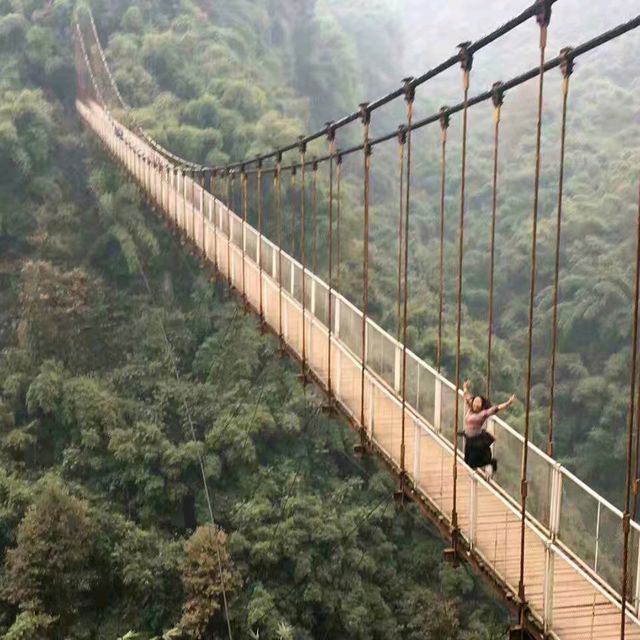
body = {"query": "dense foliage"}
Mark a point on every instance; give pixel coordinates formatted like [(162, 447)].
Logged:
[(126, 377)]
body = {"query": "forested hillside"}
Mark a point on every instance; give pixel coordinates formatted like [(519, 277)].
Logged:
[(122, 366)]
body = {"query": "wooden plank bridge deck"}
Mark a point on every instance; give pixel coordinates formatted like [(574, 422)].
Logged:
[(573, 536)]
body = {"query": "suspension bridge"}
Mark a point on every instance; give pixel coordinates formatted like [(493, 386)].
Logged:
[(560, 555)]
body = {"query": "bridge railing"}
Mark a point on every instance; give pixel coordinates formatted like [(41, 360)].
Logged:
[(574, 535)]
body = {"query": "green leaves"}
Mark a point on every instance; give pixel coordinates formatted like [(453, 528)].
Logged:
[(13, 28), (49, 569), (30, 626), (123, 222), (208, 574)]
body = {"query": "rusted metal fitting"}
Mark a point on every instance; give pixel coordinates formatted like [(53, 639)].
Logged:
[(465, 55), (302, 144), (331, 130), (409, 88), (497, 94), (567, 62), (445, 118), (365, 113), (543, 13), (402, 134)]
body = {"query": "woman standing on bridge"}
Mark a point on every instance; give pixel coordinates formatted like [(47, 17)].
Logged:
[(478, 441)]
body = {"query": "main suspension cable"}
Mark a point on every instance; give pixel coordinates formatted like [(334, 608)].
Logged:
[(409, 98), (626, 517), (466, 62), (366, 121), (260, 230), (331, 138), (303, 254), (402, 140), (498, 98), (278, 188), (567, 70), (543, 18), (444, 128), (314, 221)]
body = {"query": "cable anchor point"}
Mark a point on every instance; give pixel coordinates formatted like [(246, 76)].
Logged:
[(497, 94), (445, 120), (465, 55), (402, 134), (409, 89), (567, 62), (543, 18), (331, 130), (365, 113), (543, 13), (497, 97)]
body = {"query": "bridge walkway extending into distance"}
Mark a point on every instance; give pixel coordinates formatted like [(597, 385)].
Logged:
[(572, 574)]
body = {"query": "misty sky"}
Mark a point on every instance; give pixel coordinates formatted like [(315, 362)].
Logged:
[(434, 27)]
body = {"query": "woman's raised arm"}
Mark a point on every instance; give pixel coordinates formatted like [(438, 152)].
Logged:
[(507, 404), (467, 396)]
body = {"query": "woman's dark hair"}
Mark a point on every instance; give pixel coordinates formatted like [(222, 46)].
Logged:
[(486, 403)]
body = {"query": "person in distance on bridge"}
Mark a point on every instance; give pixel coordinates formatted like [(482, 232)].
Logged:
[(478, 441)]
